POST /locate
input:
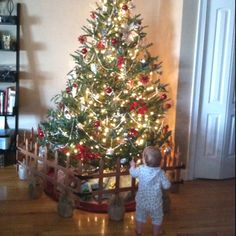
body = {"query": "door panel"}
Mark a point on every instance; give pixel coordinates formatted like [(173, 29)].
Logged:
[(216, 119)]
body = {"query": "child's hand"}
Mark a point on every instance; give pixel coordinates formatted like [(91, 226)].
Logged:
[(132, 163)]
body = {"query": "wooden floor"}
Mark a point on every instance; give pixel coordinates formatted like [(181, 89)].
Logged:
[(203, 208)]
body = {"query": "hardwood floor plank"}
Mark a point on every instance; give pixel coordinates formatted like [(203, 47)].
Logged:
[(201, 207)]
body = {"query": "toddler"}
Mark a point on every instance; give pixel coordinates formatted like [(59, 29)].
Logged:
[(152, 180)]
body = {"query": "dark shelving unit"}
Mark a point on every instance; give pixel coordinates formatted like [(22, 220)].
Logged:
[(9, 86)]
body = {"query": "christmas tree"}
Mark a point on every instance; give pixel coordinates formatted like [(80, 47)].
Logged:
[(114, 102)]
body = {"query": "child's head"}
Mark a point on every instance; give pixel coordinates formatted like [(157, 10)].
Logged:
[(152, 156)]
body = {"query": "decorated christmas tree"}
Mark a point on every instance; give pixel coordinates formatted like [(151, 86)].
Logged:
[(114, 103)]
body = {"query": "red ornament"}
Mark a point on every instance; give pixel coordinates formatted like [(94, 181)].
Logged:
[(84, 51), (68, 89), (139, 107), (108, 90), (133, 106), (114, 41), (82, 39), (125, 7), (142, 110), (75, 85), (163, 96), (40, 133), (100, 46), (168, 106), (133, 132), (144, 79), (165, 129), (85, 153), (97, 123), (120, 62), (93, 15)]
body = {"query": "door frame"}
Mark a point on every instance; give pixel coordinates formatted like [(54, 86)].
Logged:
[(196, 88)]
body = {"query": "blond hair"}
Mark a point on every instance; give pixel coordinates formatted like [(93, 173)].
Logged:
[(152, 156)]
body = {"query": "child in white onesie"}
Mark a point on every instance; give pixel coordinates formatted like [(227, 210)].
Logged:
[(152, 180)]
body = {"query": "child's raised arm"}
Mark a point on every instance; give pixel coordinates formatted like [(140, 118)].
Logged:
[(165, 182), (134, 172)]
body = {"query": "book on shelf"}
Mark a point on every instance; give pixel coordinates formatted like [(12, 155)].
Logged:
[(7, 100)]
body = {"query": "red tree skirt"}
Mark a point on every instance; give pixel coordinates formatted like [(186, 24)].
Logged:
[(90, 205)]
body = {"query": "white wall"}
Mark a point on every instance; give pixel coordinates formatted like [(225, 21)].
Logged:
[(49, 33), (186, 77)]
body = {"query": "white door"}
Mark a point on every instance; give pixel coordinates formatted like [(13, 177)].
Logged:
[(215, 149)]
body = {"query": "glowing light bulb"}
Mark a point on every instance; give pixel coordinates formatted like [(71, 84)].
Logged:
[(138, 162), (141, 142)]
